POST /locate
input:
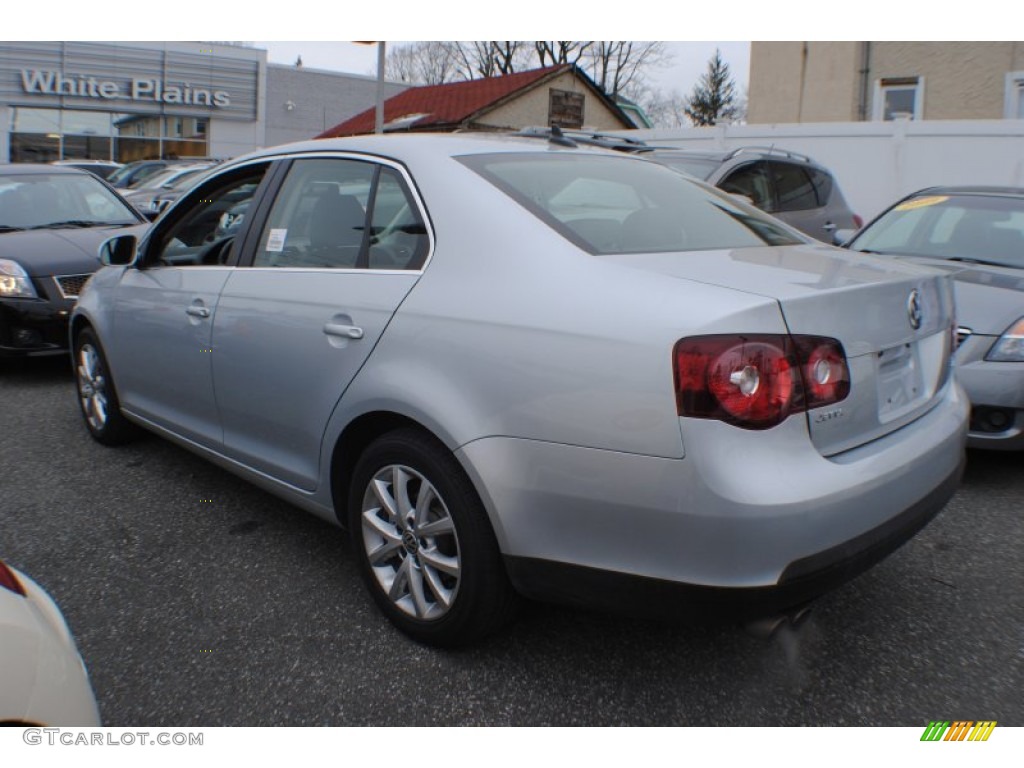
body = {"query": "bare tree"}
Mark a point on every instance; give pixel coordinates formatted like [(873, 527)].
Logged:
[(560, 51), (489, 58), (616, 66), (664, 110), (422, 63), (619, 65)]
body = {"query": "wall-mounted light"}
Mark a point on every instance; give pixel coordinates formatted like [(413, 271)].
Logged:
[(289, 105)]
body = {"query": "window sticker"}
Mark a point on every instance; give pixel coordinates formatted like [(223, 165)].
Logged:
[(275, 243), (921, 202)]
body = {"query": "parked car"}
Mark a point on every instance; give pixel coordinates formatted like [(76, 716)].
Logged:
[(43, 681), (101, 168), (162, 188), (52, 220), (977, 235), (132, 174), (558, 372), (790, 186)]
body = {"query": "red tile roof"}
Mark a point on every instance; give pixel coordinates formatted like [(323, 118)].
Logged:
[(442, 105)]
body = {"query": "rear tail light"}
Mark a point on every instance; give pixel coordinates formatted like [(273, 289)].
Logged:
[(757, 381), (858, 221), (9, 581)]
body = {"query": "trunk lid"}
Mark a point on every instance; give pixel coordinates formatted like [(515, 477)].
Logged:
[(893, 319)]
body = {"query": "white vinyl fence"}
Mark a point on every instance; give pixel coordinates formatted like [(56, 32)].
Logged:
[(878, 162)]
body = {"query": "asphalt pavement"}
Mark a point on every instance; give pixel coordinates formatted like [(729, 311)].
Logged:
[(199, 600)]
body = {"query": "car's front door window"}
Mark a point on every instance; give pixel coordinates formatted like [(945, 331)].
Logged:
[(751, 181), (203, 228)]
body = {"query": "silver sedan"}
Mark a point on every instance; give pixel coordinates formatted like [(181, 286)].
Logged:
[(513, 368)]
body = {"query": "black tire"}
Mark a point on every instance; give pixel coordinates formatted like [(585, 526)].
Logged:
[(94, 386), (420, 549)]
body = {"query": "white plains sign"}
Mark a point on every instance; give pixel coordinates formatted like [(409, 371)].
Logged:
[(50, 83)]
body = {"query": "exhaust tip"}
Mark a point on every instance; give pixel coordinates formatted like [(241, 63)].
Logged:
[(767, 626)]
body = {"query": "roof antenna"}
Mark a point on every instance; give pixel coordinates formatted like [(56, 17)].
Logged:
[(559, 138)]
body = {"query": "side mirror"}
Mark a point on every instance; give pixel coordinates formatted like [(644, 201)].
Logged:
[(118, 251), (842, 236)]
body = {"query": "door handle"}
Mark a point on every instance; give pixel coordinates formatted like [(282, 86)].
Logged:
[(198, 312), (345, 331)]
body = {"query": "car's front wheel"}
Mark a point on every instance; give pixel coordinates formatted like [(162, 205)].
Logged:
[(424, 544), (96, 395)]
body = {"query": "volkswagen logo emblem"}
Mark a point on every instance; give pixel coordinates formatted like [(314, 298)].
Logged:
[(412, 546), (914, 313)]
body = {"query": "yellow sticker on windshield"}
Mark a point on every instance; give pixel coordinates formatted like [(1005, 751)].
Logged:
[(920, 202)]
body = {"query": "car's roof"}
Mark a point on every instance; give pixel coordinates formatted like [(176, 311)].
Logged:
[(972, 190), (39, 169), (84, 161), (410, 145)]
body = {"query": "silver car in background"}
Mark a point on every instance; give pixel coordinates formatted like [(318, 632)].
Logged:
[(977, 235), (511, 368)]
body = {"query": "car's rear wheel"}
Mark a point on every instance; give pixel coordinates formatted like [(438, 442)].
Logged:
[(96, 394), (424, 544)]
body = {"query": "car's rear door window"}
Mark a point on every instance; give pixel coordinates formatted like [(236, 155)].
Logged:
[(342, 213), (793, 187)]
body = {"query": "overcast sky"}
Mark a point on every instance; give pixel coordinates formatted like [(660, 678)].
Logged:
[(689, 60)]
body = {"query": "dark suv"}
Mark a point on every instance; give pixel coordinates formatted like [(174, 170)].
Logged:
[(789, 186)]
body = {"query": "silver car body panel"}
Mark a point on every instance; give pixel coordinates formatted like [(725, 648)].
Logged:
[(549, 372), (161, 347), (734, 515)]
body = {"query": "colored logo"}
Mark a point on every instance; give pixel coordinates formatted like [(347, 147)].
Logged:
[(959, 730)]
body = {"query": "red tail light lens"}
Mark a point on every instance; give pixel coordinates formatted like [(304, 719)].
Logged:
[(825, 373), (858, 221), (9, 581), (757, 381)]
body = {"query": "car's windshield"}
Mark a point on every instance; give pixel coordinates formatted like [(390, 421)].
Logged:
[(623, 205), (39, 201), (982, 228)]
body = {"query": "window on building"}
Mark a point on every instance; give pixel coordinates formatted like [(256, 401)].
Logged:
[(899, 98), (565, 109), (1014, 109)]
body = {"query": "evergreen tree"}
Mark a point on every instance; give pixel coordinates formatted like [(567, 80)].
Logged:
[(714, 98)]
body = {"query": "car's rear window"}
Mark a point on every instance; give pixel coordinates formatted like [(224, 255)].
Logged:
[(619, 204)]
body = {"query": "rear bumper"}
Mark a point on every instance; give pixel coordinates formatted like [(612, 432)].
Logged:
[(801, 581), (748, 523)]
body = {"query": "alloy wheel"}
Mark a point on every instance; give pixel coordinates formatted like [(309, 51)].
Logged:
[(92, 387), (410, 542)]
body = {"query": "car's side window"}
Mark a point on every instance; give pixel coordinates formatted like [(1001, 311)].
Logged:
[(822, 185), (202, 231), (398, 235), (752, 182), (319, 219), (793, 188)]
